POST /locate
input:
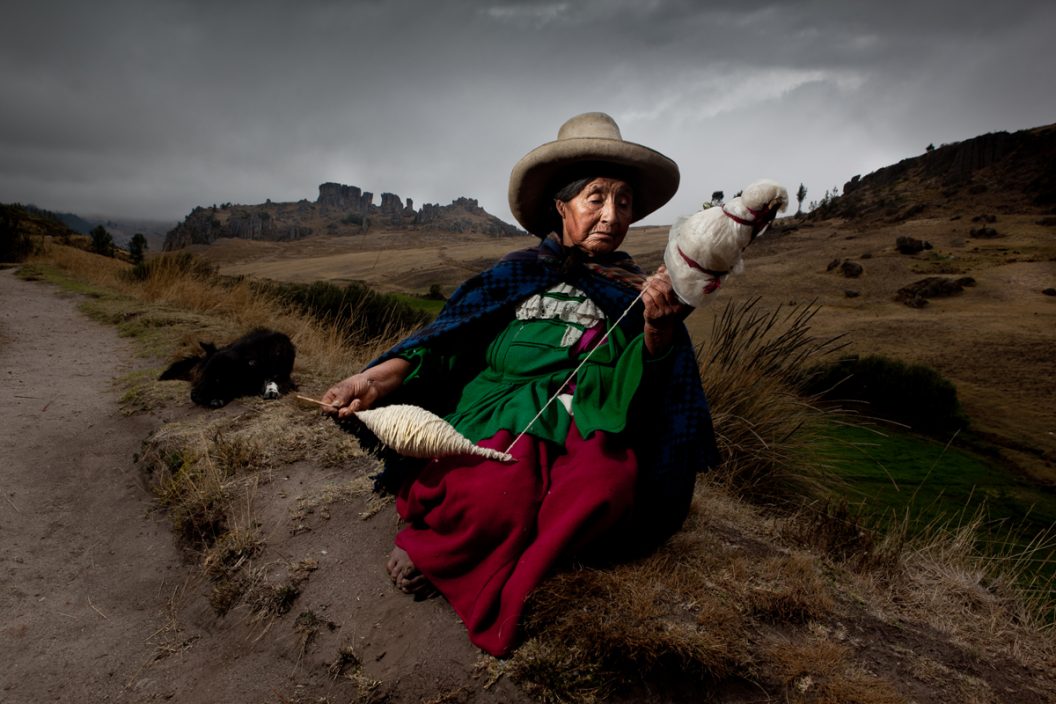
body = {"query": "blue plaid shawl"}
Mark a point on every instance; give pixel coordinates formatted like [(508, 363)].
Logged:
[(670, 428)]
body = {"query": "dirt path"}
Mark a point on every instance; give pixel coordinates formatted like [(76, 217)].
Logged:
[(83, 567)]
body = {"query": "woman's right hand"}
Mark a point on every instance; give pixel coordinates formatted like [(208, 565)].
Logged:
[(356, 393), (361, 391)]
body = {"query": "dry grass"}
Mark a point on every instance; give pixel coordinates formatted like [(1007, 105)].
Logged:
[(943, 579), (821, 671), (206, 472), (184, 284), (739, 601), (347, 666), (686, 615)]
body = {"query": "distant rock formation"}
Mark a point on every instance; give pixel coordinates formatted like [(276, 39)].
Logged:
[(463, 215), (347, 199), (339, 210), (206, 225)]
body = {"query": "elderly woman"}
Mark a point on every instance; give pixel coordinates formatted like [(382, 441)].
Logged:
[(610, 455)]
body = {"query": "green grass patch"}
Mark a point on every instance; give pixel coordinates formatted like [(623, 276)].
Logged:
[(431, 306), (38, 271), (894, 475), (131, 317), (892, 471)]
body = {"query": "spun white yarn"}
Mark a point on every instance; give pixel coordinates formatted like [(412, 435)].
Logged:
[(715, 241)]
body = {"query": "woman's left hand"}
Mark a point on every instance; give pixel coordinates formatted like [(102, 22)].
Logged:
[(663, 312)]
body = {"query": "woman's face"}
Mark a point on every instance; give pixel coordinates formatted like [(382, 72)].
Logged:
[(597, 218)]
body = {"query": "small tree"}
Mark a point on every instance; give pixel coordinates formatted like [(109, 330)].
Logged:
[(800, 195), (15, 244), (102, 242), (137, 247), (716, 199)]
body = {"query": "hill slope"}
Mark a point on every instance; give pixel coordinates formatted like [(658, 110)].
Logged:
[(289, 600), (1007, 172)]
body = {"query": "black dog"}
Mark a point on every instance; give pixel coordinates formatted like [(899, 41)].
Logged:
[(259, 362)]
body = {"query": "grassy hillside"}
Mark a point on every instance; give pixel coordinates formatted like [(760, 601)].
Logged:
[(773, 591)]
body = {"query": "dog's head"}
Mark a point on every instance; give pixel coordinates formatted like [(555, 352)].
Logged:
[(215, 375)]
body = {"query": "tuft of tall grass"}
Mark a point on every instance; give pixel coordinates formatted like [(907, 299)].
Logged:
[(193, 491), (957, 566), (751, 367)]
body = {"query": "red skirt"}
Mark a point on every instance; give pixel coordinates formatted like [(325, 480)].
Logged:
[(485, 533)]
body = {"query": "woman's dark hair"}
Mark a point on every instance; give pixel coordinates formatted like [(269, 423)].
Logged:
[(573, 189)]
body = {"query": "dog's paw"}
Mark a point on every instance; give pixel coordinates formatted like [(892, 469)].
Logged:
[(271, 390)]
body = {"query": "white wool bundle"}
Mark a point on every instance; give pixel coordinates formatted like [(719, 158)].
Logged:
[(703, 248), (415, 432)]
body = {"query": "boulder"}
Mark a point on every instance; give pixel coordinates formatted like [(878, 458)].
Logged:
[(852, 270), (911, 245), (916, 295)]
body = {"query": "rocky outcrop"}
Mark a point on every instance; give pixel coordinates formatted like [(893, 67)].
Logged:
[(911, 245), (339, 210), (346, 199), (463, 215), (1010, 170), (917, 294)]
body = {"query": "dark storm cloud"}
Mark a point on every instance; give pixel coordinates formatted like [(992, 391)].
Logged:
[(151, 108)]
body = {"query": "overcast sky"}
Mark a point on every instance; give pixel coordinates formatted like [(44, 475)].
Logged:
[(149, 108)]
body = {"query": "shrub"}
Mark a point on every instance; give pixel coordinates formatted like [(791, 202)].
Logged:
[(912, 394), (102, 242), (362, 313), (15, 245), (137, 248), (173, 265)]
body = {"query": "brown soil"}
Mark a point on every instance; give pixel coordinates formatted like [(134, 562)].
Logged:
[(100, 605), (86, 570)]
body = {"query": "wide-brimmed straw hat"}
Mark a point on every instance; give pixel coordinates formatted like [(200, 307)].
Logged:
[(586, 145)]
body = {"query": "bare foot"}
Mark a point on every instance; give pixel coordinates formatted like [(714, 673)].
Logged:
[(406, 576)]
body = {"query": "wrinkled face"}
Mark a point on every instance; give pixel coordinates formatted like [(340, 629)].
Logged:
[(596, 219)]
